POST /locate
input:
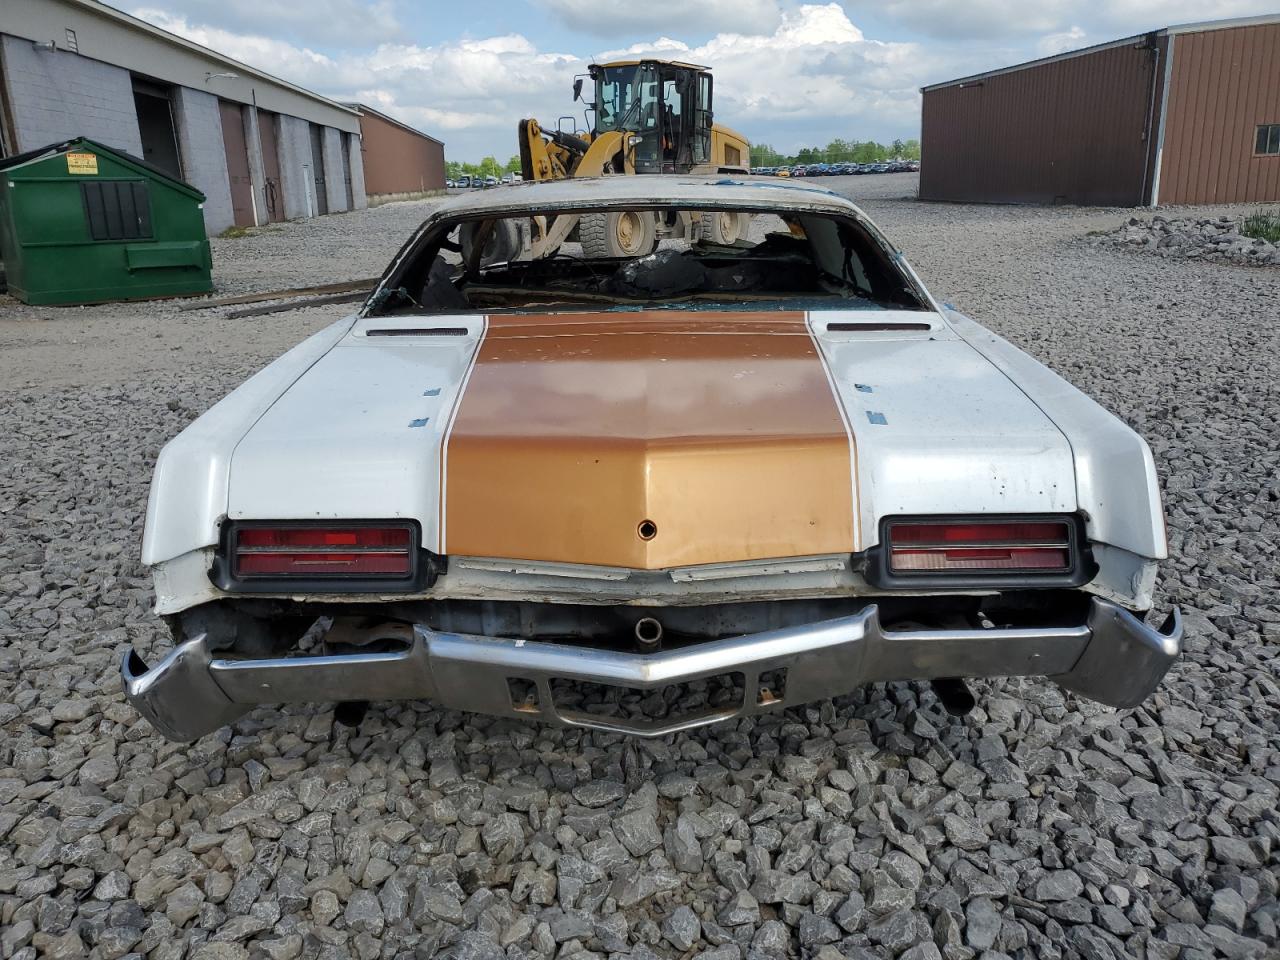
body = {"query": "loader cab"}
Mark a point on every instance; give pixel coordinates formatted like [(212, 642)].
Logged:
[(666, 104)]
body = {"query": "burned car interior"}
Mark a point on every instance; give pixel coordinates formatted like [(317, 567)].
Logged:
[(505, 264)]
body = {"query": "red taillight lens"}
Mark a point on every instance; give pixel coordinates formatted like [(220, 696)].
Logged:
[(1039, 546), (310, 551)]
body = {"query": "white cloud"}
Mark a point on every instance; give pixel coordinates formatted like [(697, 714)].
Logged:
[(816, 70), (988, 19), (277, 57), (321, 22), (1061, 42), (605, 18), (812, 77), (1132, 16), (998, 22)]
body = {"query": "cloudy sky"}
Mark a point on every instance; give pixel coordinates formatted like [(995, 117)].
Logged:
[(787, 72)]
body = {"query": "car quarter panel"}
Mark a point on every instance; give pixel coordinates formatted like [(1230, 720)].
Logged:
[(360, 436), (1116, 484), (938, 429), (189, 487)]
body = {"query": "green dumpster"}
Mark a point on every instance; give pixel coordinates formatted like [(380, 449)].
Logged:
[(83, 223)]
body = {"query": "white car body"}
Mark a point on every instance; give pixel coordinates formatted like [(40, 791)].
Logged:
[(943, 418)]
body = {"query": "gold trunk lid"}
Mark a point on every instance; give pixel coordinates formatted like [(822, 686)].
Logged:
[(647, 440)]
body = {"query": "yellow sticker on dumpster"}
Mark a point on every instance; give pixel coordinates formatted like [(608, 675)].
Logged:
[(82, 163)]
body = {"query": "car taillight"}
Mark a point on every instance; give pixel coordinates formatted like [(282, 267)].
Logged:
[(1032, 546), (322, 551)]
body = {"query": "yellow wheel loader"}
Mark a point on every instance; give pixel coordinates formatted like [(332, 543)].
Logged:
[(650, 116)]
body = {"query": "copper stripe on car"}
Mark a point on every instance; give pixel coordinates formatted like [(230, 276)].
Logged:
[(573, 430)]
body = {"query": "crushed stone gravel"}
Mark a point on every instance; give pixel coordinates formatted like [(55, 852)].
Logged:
[(1198, 238), (872, 826)]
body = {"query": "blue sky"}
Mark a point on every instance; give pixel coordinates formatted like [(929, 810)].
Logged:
[(787, 73)]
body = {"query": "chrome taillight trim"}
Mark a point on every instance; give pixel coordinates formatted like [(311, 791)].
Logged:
[(1080, 569), (424, 567)]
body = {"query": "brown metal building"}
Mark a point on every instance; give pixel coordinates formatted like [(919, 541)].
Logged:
[(397, 158), (1186, 114)]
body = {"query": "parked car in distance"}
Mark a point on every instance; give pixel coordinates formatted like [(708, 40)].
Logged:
[(518, 470), (463, 182)]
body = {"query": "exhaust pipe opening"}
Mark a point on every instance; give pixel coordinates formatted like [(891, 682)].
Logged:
[(955, 695), (648, 632)]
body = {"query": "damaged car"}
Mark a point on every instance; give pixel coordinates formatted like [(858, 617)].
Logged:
[(644, 493)]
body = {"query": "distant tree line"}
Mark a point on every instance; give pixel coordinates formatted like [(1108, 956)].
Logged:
[(837, 151), (488, 167)]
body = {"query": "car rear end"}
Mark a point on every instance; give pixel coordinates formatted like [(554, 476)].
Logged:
[(692, 512), (310, 613)]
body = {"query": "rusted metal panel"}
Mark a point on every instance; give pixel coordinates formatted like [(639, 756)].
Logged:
[(237, 162), (398, 159), (273, 184), (1073, 129), (1223, 84)]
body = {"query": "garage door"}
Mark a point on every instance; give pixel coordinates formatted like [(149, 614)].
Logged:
[(237, 163), (271, 164), (317, 169)]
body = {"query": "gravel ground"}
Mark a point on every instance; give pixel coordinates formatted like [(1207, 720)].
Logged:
[(1038, 827), (1195, 238), (117, 343)]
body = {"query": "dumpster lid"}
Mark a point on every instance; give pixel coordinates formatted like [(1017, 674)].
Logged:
[(128, 159)]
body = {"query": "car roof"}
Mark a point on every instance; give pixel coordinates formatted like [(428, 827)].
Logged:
[(724, 191)]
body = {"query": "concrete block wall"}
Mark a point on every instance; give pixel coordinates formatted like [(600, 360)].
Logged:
[(295, 163), (57, 95), (357, 174), (204, 155), (334, 176)]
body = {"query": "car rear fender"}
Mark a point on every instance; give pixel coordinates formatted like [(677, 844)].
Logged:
[(189, 488), (1116, 485)]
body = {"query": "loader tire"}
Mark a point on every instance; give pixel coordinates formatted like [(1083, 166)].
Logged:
[(629, 233), (503, 244), (724, 227)]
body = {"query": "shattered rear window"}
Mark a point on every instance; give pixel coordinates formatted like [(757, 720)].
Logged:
[(634, 258)]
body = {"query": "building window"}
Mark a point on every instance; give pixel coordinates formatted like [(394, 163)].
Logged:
[(1268, 143)]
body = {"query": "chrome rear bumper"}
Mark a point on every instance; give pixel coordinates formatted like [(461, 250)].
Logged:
[(1113, 658)]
